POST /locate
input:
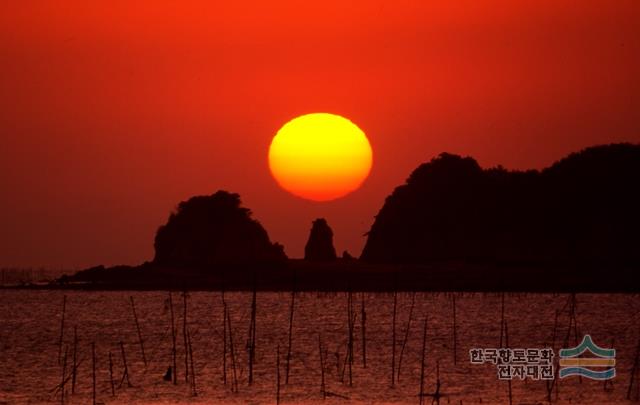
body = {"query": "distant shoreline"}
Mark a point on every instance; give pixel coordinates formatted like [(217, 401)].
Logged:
[(339, 276)]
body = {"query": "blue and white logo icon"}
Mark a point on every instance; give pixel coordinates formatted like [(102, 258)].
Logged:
[(572, 363)]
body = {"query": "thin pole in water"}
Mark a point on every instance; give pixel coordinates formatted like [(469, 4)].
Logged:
[(363, 321), (75, 362), (291, 312), (224, 340), (184, 336), (64, 373), (406, 334), (173, 341), (634, 371), (93, 355), (550, 383), (350, 323), (64, 309), (194, 391), (113, 388), (393, 339), (135, 318), (502, 320), (278, 374), (436, 394), (125, 375), (506, 339), (424, 352), (322, 385), (252, 335), (455, 332), (573, 325), (233, 356)]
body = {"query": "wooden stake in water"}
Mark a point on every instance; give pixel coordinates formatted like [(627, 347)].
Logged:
[(393, 339), (278, 374), (573, 325), (291, 311), (455, 332), (406, 334), (422, 359), (502, 320), (125, 375), (64, 374), (350, 322), (135, 318), (113, 388), (224, 340), (93, 356), (634, 371), (184, 336), (173, 341), (322, 386), (194, 391), (573, 321), (555, 380), (64, 310), (75, 360), (232, 351), (506, 339), (252, 335), (436, 395), (363, 321)]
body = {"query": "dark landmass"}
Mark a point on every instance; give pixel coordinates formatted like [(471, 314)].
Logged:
[(583, 210), (319, 247), (345, 275), (213, 231), (573, 227)]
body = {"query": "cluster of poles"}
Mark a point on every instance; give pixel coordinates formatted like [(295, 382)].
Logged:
[(69, 359)]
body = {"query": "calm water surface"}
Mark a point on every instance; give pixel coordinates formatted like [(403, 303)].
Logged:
[(30, 331)]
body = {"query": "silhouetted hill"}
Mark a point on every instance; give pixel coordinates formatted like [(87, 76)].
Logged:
[(210, 230), (584, 208), (453, 226), (319, 246)]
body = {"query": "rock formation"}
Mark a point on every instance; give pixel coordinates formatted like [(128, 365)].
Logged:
[(319, 247), (210, 230)]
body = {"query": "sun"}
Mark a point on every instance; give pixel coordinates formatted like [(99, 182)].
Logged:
[(320, 156)]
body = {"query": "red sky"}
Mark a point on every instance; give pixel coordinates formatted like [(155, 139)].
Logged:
[(113, 112)]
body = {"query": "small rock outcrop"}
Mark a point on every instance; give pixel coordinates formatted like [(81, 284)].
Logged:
[(319, 247)]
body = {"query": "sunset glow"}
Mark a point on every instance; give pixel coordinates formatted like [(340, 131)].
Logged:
[(320, 156), (111, 112)]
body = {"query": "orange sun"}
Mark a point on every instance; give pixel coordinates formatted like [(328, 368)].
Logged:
[(320, 156)]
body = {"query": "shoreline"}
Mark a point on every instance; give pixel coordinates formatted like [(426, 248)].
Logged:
[(340, 276)]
